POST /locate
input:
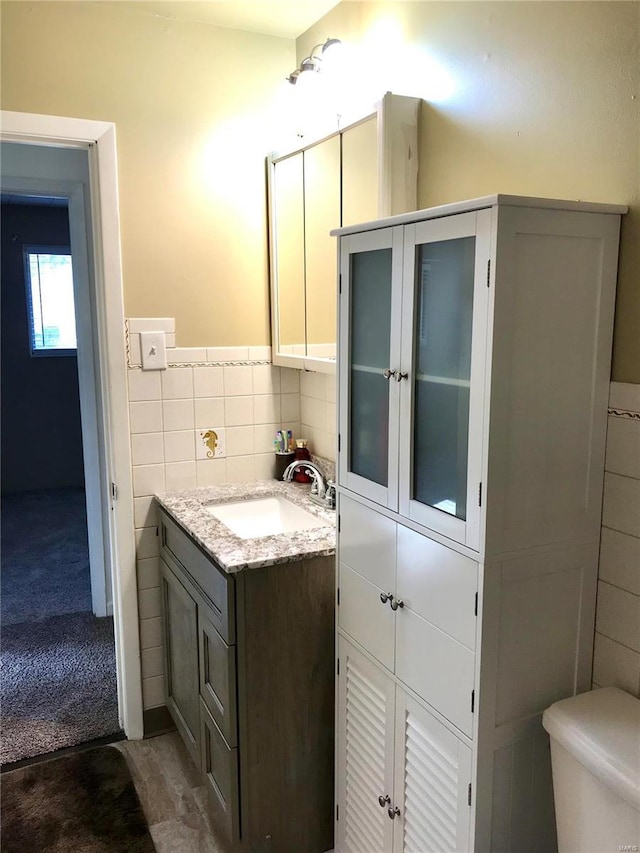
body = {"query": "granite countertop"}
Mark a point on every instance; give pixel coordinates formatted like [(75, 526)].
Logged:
[(234, 554)]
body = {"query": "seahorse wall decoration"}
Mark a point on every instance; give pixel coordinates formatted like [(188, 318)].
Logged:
[(210, 439)]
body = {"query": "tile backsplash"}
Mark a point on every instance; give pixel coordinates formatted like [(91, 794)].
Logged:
[(234, 392), (617, 639), (244, 399), (318, 412)]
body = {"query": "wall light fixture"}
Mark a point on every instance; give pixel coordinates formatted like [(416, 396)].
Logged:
[(313, 62)]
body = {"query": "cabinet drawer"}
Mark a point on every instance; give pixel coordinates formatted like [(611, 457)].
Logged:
[(217, 676), (438, 584), (436, 667), (364, 617), (215, 584), (220, 772), (368, 543)]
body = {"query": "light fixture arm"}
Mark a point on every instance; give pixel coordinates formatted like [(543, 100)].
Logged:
[(312, 62)]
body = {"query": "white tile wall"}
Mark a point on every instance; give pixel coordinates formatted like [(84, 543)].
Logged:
[(168, 409), (145, 417), (317, 412), (617, 641)]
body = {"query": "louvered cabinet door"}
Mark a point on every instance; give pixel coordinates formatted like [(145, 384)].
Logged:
[(364, 754), (432, 776)]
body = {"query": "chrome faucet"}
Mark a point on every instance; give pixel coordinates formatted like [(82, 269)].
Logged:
[(323, 492)]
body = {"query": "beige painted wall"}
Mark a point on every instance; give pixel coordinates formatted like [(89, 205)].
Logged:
[(193, 106), (544, 100)]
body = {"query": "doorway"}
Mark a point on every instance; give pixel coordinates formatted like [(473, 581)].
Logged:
[(58, 660), (95, 201)]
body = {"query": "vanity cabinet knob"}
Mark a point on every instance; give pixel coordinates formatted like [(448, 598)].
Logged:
[(393, 812), (386, 596), (396, 603), (399, 375), (384, 800), (388, 373)]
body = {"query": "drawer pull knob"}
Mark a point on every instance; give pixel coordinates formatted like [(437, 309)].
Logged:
[(384, 800), (396, 602), (392, 812), (386, 596)]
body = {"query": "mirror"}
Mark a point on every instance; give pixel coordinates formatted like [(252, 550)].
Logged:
[(305, 207), (363, 171), (288, 235)]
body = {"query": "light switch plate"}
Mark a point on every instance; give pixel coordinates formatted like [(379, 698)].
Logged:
[(153, 351)]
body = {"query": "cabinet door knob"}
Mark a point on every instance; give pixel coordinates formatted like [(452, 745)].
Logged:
[(392, 812), (399, 375), (384, 800), (388, 373), (386, 596), (396, 602)]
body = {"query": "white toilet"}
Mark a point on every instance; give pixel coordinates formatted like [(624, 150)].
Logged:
[(595, 757)]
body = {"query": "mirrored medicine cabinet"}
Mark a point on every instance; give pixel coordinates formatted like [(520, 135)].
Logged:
[(363, 171)]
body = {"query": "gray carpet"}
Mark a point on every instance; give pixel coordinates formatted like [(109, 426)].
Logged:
[(57, 660), (45, 555)]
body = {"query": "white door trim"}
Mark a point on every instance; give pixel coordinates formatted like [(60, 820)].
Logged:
[(100, 139)]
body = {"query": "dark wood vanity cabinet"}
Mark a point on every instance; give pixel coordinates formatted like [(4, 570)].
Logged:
[(250, 686)]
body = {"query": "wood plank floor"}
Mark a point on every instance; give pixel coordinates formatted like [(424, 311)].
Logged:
[(171, 794)]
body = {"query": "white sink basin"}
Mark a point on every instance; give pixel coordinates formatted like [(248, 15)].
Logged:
[(264, 517)]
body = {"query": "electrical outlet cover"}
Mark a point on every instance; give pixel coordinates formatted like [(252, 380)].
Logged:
[(210, 443)]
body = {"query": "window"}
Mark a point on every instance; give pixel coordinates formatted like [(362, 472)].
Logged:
[(52, 318)]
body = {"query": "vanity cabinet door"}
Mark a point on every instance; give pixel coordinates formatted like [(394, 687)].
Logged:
[(181, 659)]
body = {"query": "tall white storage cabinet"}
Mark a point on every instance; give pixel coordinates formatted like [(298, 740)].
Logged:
[(474, 361)]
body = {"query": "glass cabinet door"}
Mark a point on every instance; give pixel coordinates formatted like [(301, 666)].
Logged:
[(444, 316), (371, 270)]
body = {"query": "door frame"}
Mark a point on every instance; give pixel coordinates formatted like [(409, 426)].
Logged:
[(99, 138), (95, 471)]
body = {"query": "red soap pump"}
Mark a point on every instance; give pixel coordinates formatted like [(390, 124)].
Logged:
[(302, 452)]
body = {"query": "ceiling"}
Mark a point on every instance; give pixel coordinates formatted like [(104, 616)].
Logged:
[(285, 18)]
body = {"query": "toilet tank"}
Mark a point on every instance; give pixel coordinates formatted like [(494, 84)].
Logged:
[(595, 757)]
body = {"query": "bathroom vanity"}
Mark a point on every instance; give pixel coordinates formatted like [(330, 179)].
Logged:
[(249, 656)]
